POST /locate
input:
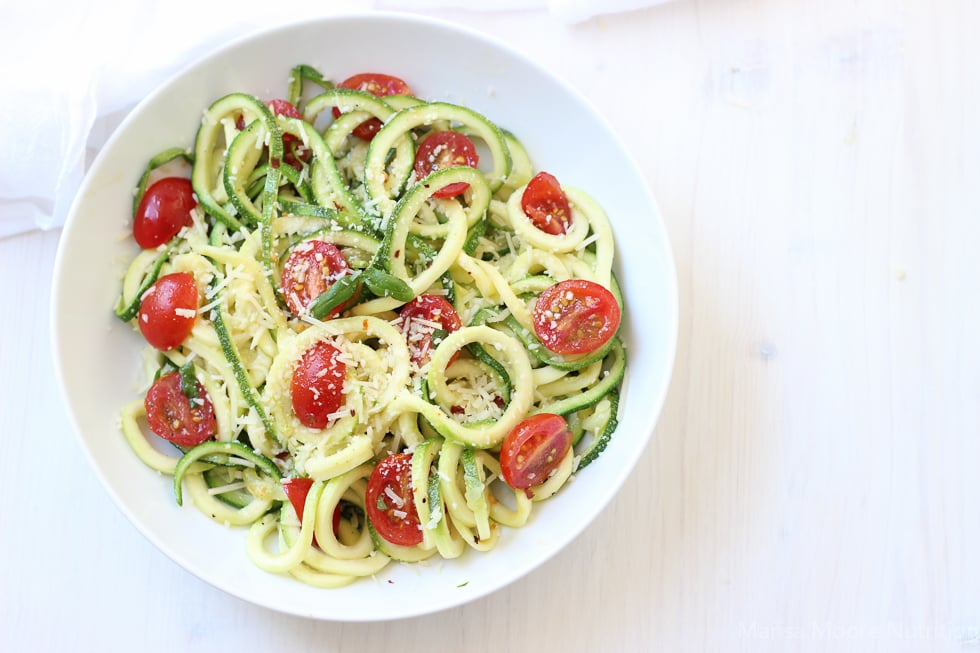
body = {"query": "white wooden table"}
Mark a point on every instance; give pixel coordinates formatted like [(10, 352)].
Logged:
[(813, 482)]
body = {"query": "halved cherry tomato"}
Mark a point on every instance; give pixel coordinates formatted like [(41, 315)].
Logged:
[(419, 318), (445, 150), (576, 316), (311, 268), (176, 417), (533, 450), (168, 310), (293, 148), (390, 503), (546, 204), (164, 209), (297, 488), (318, 384), (284, 108), (377, 84)]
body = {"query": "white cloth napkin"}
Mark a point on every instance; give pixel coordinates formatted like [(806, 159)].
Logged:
[(66, 92)]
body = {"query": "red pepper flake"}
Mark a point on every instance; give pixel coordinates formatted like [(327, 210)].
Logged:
[(457, 410), (274, 163)]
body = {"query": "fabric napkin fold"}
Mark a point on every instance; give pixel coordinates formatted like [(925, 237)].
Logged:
[(64, 99)]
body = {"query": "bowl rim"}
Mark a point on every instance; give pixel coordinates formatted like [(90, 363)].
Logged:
[(670, 302)]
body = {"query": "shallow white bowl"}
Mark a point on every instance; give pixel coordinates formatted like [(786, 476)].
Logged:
[(98, 359)]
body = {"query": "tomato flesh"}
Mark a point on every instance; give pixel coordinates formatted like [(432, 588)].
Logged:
[(168, 310), (418, 319), (295, 153), (297, 488), (546, 204), (317, 385), (533, 450), (284, 108), (176, 417), (444, 150), (390, 503), (311, 268), (163, 211), (377, 84), (576, 316)]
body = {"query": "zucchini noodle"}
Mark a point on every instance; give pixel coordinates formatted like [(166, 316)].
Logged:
[(268, 185)]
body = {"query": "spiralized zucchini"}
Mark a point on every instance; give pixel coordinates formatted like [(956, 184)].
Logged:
[(479, 250)]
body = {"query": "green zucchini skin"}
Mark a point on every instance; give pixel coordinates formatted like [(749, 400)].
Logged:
[(616, 371), (601, 440), (126, 309), (226, 449), (400, 240)]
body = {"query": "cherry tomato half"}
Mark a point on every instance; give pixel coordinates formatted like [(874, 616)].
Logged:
[(311, 268), (168, 310), (377, 84), (294, 150), (533, 450), (293, 147), (546, 204), (575, 317), (164, 209), (318, 384), (390, 503), (176, 417), (297, 488), (419, 318), (445, 150), (284, 108)]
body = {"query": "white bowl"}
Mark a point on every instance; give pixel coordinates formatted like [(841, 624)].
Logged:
[(98, 357)]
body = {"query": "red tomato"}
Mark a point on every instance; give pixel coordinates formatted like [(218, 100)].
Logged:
[(295, 151), (293, 147), (390, 504), (575, 317), (168, 310), (164, 209), (297, 488), (533, 450), (376, 84), (311, 268), (445, 150), (318, 384), (175, 417), (419, 317), (546, 204), (284, 108)]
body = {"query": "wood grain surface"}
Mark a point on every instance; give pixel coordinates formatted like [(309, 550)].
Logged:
[(812, 484)]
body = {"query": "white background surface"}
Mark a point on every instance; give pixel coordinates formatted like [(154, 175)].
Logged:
[(812, 484)]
